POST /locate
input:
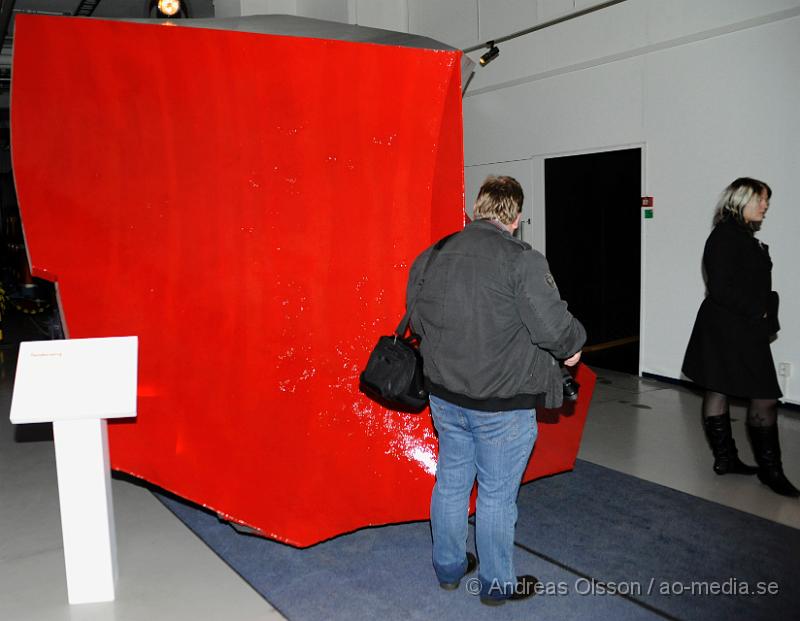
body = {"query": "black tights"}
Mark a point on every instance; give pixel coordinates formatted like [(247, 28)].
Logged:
[(760, 412)]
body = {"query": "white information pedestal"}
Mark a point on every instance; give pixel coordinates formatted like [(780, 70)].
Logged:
[(78, 384)]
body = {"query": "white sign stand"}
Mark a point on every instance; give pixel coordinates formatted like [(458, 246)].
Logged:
[(78, 384)]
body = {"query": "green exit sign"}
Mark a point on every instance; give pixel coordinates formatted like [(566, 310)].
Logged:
[(648, 214)]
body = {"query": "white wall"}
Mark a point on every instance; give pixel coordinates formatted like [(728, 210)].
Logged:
[(709, 89), (237, 8), (388, 14)]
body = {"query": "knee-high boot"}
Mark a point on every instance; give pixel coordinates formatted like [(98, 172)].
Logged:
[(720, 437), (767, 451)]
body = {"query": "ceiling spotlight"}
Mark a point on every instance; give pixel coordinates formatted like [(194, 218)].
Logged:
[(489, 56), (169, 7)]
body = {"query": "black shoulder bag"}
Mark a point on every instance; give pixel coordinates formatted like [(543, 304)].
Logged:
[(393, 376)]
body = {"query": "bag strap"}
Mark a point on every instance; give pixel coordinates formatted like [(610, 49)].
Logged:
[(403, 325)]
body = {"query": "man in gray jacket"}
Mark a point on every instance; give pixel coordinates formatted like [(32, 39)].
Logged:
[(494, 330)]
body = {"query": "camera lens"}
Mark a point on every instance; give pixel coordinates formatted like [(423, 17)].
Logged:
[(570, 386)]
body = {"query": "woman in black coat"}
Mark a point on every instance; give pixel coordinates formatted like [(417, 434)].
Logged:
[(729, 352)]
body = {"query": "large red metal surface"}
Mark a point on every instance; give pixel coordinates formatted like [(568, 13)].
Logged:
[(248, 205)]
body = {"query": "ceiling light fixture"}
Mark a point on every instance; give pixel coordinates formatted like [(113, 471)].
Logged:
[(169, 7), (489, 56), (494, 51)]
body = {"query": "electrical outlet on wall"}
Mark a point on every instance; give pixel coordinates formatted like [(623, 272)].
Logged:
[(784, 369)]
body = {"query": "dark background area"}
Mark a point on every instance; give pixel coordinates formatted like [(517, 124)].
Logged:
[(593, 241)]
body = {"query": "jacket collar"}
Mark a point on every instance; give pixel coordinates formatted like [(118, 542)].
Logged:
[(485, 223)]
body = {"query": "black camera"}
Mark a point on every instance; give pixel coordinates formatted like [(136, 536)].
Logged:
[(569, 385)]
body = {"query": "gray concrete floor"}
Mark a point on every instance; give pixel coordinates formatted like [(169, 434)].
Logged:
[(651, 430), (165, 571), (642, 427)]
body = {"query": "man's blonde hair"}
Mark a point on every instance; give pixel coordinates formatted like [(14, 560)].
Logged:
[(500, 198)]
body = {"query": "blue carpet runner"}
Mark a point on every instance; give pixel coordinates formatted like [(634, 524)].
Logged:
[(604, 544)]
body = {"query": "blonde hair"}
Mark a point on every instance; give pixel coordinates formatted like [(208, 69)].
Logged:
[(499, 198), (735, 197)]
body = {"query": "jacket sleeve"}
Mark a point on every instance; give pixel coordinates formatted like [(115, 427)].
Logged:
[(414, 276), (551, 326), (724, 262)]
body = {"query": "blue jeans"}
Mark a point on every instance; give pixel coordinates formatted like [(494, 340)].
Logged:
[(496, 447)]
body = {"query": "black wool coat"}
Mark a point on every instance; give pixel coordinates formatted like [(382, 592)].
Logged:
[(729, 350)]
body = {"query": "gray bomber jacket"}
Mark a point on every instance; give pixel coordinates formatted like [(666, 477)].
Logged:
[(492, 323)]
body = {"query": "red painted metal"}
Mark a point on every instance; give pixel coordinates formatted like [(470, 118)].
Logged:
[(248, 205)]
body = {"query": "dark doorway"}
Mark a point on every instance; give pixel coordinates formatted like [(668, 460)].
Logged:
[(593, 237)]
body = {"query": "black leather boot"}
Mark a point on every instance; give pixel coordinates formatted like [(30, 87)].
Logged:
[(726, 457), (767, 450)]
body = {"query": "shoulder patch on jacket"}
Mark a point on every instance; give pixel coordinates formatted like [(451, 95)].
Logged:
[(548, 278)]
